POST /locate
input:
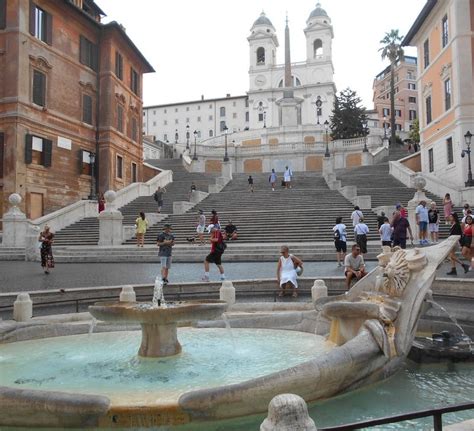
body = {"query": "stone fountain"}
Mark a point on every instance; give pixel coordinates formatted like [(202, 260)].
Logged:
[(362, 337), (159, 320)]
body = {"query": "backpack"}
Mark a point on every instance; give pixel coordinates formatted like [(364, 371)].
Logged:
[(337, 234), (155, 196)]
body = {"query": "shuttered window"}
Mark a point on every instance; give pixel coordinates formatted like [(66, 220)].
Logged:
[(87, 109), (119, 118), (134, 132), (28, 149), (41, 24), (88, 53), (3, 14), (118, 65), (2, 153), (39, 88), (119, 165), (46, 155), (134, 81)]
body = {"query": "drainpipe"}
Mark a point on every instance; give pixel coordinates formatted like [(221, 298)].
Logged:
[(97, 116)]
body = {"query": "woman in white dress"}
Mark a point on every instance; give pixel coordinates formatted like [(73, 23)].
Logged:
[(287, 271)]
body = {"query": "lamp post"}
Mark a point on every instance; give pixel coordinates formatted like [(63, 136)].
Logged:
[(226, 156), (187, 137), (195, 133), (326, 127), (176, 136), (366, 132), (92, 196), (319, 111), (384, 128), (467, 140)]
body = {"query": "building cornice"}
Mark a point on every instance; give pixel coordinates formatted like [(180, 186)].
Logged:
[(415, 28)]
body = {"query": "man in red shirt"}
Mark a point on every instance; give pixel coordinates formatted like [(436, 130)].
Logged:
[(217, 249)]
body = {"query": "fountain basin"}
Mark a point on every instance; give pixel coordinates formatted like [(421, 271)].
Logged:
[(159, 324)]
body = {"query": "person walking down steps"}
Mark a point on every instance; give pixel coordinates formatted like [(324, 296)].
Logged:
[(287, 271), (272, 179), (158, 197)]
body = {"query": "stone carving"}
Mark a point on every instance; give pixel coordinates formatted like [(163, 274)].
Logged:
[(15, 200), (396, 274), (419, 183)]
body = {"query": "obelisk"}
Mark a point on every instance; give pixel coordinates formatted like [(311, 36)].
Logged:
[(290, 107)]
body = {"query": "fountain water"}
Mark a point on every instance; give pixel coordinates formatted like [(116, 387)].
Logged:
[(452, 318), (92, 325)]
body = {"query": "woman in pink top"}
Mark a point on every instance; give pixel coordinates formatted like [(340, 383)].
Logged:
[(448, 207)]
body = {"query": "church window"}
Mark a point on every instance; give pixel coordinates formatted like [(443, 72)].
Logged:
[(199, 119), (318, 48), (296, 82), (222, 126), (210, 117), (222, 111), (211, 133), (234, 115), (261, 55)]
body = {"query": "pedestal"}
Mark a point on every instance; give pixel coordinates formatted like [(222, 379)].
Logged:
[(110, 227), (366, 158), (159, 340), (328, 166), (411, 208), (15, 224), (227, 170), (22, 308)]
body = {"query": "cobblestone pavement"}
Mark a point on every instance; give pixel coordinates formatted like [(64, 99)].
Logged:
[(28, 276)]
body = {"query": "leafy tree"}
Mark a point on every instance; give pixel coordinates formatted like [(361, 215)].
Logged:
[(414, 134), (348, 119), (392, 49)]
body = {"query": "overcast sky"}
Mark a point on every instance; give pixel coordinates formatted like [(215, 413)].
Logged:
[(200, 46)]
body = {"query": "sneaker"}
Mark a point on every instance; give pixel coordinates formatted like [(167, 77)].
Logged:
[(164, 281), (339, 264), (465, 267), (223, 278), (205, 278), (454, 272)]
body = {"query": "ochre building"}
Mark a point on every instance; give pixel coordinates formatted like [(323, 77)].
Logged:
[(70, 104)]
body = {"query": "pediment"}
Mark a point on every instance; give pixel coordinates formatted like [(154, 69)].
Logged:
[(40, 62)]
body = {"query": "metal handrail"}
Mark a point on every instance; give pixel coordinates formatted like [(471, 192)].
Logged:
[(435, 413)]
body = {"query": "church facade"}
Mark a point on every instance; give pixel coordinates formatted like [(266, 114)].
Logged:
[(312, 82)]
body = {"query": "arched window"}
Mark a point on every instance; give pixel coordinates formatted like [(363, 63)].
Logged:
[(296, 82), (261, 55), (222, 111), (318, 48), (211, 133)]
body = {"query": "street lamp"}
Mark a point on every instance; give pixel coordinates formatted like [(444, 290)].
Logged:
[(326, 127), (366, 132), (176, 136), (384, 128), (195, 133), (319, 110), (92, 196), (226, 157), (467, 140), (187, 137)]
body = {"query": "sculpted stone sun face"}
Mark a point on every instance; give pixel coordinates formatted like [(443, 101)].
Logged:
[(396, 274)]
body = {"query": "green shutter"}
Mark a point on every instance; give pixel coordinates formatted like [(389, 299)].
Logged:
[(2, 152), (28, 149), (94, 57), (3, 14), (49, 29), (82, 50), (47, 153), (39, 88), (32, 24), (80, 164)]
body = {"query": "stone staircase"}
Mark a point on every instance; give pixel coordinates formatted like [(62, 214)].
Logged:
[(384, 189), (86, 231), (305, 213)]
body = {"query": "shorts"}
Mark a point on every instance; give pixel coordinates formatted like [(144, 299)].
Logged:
[(423, 226), (466, 241), (361, 241), (165, 261), (160, 203), (341, 246), (386, 243), (433, 227), (214, 258), (400, 242), (200, 229)]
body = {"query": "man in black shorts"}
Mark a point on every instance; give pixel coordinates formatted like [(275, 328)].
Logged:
[(340, 240), (215, 256)]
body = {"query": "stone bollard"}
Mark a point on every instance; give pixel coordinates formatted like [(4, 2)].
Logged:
[(128, 294), (23, 308), (288, 412), (227, 292), (319, 290)]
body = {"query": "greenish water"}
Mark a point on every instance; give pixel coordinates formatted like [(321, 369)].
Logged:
[(108, 363)]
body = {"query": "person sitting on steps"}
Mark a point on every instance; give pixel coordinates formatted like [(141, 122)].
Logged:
[(287, 271), (354, 266)]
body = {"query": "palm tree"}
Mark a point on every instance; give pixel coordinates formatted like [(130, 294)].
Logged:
[(392, 50)]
